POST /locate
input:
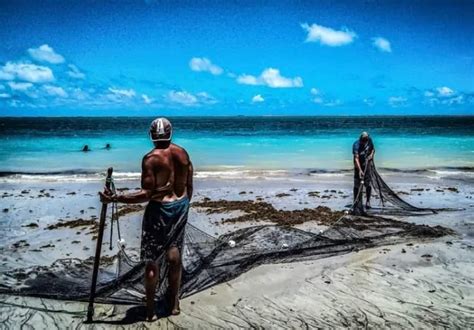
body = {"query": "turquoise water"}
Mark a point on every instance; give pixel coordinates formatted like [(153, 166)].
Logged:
[(48, 145)]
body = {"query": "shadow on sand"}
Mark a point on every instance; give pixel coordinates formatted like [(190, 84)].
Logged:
[(138, 314)]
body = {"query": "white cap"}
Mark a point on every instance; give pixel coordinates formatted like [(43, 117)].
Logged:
[(161, 130)]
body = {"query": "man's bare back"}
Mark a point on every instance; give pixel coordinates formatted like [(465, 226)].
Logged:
[(167, 173)]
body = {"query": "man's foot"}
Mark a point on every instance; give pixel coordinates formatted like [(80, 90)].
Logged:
[(176, 310), (150, 311)]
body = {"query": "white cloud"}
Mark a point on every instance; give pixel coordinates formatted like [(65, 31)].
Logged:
[(74, 72), (147, 99), (397, 101), (369, 101), (205, 98), (333, 103), (455, 100), (125, 93), (55, 91), (444, 95), (79, 94), (5, 96), (257, 99), (5, 75), (272, 78), (205, 65), (382, 44), (19, 86), (327, 36), (246, 79), (27, 72), (188, 99), (319, 98), (444, 91), (182, 97), (44, 53)]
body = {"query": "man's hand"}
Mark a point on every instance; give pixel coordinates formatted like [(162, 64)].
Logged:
[(361, 174), (371, 156), (106, 196)]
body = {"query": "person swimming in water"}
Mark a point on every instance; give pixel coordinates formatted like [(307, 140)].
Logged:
[(108, 146), (86, 148), (167, 186)]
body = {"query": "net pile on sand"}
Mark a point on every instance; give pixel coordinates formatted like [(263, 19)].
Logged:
[(391, 202), (208, 260)]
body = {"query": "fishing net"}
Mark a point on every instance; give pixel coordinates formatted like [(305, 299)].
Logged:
[(391, 202), (208, 260)]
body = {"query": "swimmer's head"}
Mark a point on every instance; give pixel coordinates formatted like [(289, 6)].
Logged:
[(161, 130)]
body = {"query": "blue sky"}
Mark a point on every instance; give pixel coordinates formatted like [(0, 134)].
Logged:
[(150, 58)]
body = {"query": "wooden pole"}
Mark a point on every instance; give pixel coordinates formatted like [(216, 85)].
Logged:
[(103, 213)]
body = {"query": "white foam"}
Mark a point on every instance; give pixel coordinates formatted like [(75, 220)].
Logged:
[(241, 174), (82, 177)]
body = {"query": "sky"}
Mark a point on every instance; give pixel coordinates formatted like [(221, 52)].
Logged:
[(148, 58)]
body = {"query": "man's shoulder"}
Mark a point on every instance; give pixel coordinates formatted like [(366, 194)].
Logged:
[(179, 153), (149, 156), (371, 142), (176, 149)]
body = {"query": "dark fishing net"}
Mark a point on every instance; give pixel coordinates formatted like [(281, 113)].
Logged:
[(392, 203), (207, 260)]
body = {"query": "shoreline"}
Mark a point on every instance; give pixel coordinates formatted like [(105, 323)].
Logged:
[(231, 172)]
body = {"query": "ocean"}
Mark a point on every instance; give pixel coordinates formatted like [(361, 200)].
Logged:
[(235, 145)]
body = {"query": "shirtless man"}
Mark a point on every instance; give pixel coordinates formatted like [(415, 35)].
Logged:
[(167, 186)]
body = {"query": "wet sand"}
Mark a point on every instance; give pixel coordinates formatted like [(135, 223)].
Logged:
[(414, 284)]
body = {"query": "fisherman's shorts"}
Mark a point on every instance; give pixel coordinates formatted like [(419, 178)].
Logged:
[(163, 228), (357, 179)]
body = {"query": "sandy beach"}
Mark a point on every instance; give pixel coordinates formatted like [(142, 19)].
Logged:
[(233, 145), (411, 283)]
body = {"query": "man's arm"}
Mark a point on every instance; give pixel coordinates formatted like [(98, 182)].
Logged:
[(372, 153), (357, 162), (371, 156), (141, 196), (189, 181), (355, 152)]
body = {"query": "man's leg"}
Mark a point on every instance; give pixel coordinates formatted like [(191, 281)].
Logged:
[(368, 191), (357, 187), (152, 275), (174, 278), (356, 184), (368, 188)]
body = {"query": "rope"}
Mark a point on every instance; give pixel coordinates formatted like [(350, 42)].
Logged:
[(120, 245), (114, 213), (346, 212)]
